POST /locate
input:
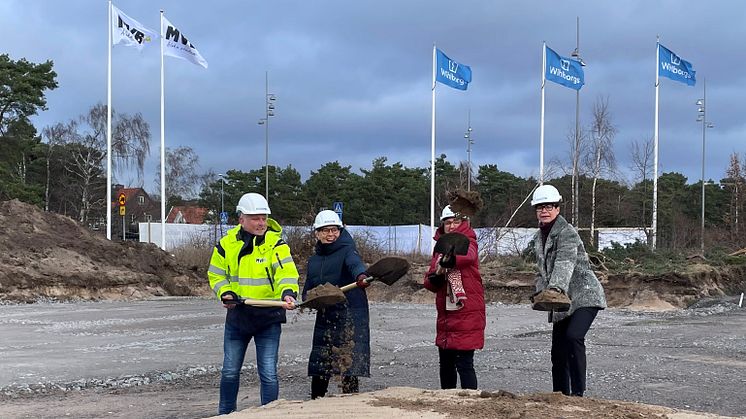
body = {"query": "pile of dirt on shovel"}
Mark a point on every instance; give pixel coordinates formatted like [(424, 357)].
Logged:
[(46, 256)]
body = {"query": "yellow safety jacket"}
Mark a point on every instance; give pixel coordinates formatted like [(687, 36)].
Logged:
[(267, 272)]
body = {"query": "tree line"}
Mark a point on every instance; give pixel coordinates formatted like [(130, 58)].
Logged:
[(62, 168)]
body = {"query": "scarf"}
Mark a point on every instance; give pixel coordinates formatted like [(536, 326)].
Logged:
[(455, 295)]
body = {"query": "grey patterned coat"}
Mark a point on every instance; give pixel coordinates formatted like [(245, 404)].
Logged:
[(563, 263)]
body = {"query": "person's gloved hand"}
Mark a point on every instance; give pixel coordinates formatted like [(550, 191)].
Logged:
[(448, 260), (289, 302), (361, 282), (229, 299), (435, 279)]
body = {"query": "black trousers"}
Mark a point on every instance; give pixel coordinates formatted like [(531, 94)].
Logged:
[(453, 361), (568, 351), (319, 385)]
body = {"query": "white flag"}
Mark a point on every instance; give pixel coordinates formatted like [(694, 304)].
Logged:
[(128, 31), (177, 45)]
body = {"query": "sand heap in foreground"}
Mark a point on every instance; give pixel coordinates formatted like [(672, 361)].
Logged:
[(408, 402)]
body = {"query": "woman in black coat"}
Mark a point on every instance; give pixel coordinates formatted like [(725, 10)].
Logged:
[(341, 334)]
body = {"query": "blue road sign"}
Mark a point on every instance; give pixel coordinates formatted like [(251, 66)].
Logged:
[(223, 217), (338, 207)]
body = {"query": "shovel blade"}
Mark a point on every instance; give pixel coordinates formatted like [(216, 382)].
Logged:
[(323, 296), (389, 269), (452, 242)]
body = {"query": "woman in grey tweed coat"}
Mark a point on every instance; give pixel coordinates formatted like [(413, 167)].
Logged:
[(564, 267)]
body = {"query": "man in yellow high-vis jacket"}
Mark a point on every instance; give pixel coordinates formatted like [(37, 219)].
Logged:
[(252, 261)]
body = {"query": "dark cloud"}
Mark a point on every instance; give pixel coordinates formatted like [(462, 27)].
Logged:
[(353, 78)]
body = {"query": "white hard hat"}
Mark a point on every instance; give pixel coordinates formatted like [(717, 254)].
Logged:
[(546, 194), (253, 203), (327, 218), (447, 213)]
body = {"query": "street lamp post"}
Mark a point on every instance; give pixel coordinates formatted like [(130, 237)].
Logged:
[(222, 194), (702, 117), (469, 143), (269, 111), (576, 155)]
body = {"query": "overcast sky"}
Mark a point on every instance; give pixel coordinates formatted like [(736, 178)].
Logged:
[(353, 78)]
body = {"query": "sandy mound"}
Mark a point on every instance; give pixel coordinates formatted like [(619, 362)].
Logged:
[(407, 402), (46, 255), (637, 291)]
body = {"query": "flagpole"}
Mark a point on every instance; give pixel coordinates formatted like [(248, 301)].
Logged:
[(108, 131), (541, 135), (163, 149), (654, 226), (432, 156)]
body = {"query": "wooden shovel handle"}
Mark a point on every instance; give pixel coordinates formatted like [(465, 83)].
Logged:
[(256, 303), (264, 303), (354, 284)]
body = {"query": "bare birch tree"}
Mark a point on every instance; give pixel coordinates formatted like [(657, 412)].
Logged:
[(85, 142), (642, 166), (182, 179), (735, 175), (600, 156)]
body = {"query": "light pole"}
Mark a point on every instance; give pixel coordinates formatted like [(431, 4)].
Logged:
[(702, 117), (222, 194), (269, 111), (469, 142), (576, 155)]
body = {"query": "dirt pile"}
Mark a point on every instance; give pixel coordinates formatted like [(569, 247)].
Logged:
[(628, 290), (674, 289), (408, 402), (48, 256)]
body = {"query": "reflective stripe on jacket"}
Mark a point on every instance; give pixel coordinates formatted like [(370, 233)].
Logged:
[(266, 273)]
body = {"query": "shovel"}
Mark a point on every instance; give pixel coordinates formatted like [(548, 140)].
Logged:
[(387, 270), (451, 244), (318, 298)]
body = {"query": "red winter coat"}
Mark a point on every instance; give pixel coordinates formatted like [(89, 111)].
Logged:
[(461, 329)]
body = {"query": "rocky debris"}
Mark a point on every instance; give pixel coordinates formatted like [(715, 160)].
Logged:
[(171, 378)]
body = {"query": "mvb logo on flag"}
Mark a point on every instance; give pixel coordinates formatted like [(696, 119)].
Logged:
[(128, 31), (177, 45), (565, 71), (451, 73), (672, 66)]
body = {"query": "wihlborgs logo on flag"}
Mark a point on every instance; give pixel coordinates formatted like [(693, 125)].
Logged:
[(451, 73), (672, 66), (564, 71)]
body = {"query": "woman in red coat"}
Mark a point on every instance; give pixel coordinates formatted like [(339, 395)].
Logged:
[(459, 299)]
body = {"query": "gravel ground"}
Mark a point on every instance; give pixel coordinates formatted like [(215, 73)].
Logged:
[(161, 358)]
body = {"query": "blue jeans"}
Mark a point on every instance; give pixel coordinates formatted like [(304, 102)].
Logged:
[(235, 342)]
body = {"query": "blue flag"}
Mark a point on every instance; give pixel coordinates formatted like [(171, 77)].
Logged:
[(672, 66), (565, 71), (451, 73)]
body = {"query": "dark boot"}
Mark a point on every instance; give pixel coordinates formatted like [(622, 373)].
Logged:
[(319, 385)]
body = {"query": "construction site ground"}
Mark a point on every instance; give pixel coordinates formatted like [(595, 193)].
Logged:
[(92, 328), (161, 358)]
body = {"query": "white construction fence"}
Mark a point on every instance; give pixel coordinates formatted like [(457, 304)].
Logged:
[(402, 239)]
